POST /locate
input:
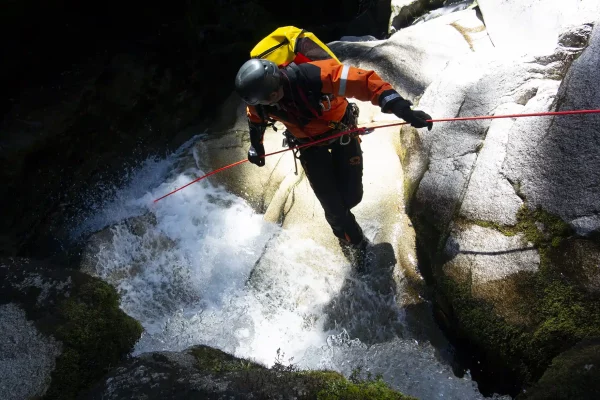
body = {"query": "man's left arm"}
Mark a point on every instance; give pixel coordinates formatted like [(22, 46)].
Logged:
[(367, 85)]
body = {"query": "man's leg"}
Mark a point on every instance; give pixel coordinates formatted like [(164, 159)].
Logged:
[(348, 169), (318, 165)]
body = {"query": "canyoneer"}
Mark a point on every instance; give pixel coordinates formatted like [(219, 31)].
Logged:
[(293, 78)]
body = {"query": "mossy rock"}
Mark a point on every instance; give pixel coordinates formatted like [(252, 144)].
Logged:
[(291, 382), (337, 387), (542, 313), (208, 373), (575, 374), (80, 311)]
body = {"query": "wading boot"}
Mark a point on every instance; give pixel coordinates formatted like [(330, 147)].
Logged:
[(357, 254)]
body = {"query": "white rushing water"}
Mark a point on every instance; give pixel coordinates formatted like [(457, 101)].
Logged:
[(184, 269)]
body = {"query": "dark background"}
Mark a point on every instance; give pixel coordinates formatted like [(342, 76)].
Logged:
[(89, 88)]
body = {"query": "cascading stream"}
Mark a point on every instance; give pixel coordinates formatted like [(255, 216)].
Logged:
[(203, 268)]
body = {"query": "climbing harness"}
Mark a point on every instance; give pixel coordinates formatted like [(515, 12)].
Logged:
[(290, 141)]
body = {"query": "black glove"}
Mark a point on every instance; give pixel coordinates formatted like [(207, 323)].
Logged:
[(416, 118), (256, 154)]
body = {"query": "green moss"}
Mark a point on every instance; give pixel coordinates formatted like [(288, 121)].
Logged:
[(337, 387), (559, 312), (288, 381), (219, 362), (505, 230), (562, 316), (567, 315), (95, 334), (553, 229), (332, 386)]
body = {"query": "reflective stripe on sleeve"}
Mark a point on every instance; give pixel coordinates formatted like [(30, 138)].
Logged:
[(344, 78), (389, 98)]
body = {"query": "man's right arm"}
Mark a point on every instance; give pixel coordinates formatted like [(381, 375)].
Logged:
[(257, 129)]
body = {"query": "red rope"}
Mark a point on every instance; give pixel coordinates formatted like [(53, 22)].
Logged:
[(362, 131), (202, 177), (520, 115)]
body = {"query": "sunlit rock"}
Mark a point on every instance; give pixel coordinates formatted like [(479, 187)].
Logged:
[(528, 26), (406, 60), (528, 181)]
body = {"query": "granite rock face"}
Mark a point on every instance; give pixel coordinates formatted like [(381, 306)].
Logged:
[(496, 202)]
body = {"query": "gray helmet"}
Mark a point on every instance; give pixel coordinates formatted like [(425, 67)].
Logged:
[(256, 80)]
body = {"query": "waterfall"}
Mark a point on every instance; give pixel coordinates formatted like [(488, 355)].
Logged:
[(201, 267)]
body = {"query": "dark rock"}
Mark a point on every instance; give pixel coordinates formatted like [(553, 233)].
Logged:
[(407, 14), (201, 372), (80, 311), (575, 374)]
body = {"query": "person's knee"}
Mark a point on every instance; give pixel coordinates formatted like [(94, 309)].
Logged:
[(354, 197)]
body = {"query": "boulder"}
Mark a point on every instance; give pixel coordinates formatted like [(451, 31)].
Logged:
[(27, 356), (62, 329), (505, 210), (406, 60), (201, 372), (572, 375)]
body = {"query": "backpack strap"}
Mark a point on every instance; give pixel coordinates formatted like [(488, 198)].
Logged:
[(272, 49), (267, 121), (307, 99)]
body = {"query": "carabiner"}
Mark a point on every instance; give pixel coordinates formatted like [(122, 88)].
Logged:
[(328, 103), (342, 140)]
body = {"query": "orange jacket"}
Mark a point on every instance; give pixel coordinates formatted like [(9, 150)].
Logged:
[(340, 81)]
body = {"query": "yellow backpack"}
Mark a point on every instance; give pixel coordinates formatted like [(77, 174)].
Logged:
[(290, 44)]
